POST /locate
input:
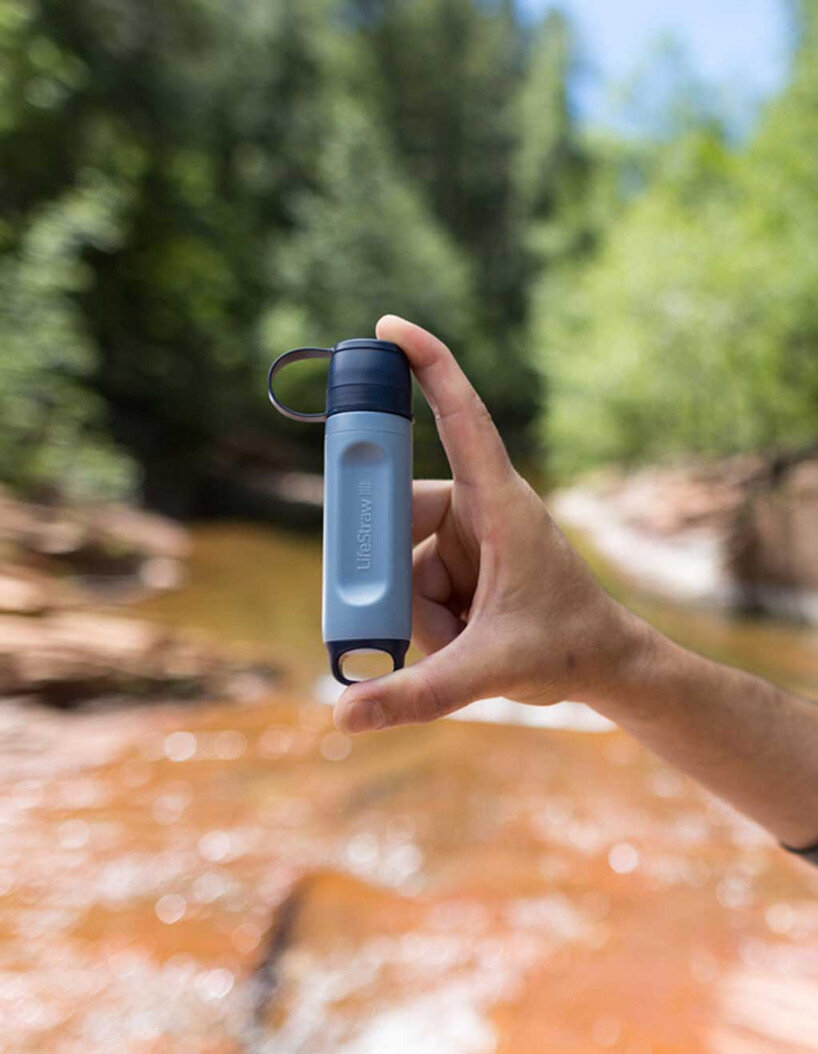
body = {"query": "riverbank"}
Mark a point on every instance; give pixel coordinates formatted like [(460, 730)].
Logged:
[(68, 576), (740, 535)]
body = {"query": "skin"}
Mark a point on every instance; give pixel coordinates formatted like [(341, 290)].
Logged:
[(504, 606)]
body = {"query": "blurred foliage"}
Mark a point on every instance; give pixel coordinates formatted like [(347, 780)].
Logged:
[(446, 75), (52, 422), (274, 172), (694, 326), (188, 188)]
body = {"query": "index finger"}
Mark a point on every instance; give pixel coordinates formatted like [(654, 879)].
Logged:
[(470, 438)]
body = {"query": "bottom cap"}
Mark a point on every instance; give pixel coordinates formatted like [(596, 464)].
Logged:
[(396, 649)]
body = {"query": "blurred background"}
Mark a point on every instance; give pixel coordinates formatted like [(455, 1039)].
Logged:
[(610, 213)]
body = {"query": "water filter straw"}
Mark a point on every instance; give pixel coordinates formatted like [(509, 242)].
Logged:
[(367, 580)]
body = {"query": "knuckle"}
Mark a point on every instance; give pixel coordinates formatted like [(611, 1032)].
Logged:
[(479, 407), (425, 701)]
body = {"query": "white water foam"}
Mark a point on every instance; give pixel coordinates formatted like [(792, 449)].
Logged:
[(575, 717), (687, 566)]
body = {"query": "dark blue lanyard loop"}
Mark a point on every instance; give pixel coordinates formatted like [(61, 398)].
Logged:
[(296, 355)]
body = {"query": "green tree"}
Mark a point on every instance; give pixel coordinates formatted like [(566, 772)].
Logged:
[(445, 73), (284, 170), (446, 76), (53, 426), (695, 326), (212, 118), (364, 242)]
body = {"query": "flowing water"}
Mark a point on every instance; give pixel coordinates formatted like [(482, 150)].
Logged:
[(227, 878), (263, 587)]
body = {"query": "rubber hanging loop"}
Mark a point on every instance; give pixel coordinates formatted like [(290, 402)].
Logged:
[(296, 355)]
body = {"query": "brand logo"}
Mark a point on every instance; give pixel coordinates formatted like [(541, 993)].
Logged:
[(363, 538)]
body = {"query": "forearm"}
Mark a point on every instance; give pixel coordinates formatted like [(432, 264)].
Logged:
[(748, 741)]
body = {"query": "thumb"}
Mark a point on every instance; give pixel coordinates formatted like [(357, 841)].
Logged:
[(473, 445), (445, 681)]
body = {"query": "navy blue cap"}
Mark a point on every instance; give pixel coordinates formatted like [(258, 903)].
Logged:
[(369, 374)]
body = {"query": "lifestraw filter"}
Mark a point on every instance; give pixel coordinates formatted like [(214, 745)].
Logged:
[(367, 582)]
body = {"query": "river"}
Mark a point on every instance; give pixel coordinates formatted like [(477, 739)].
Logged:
[(243, 878), (263, 587)]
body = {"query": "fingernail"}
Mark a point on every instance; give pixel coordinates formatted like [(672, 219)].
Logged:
[(364, 715)]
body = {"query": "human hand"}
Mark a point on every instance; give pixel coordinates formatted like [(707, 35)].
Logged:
[(502, 603)]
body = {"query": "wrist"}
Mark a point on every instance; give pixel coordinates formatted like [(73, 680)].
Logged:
[(629, 650)]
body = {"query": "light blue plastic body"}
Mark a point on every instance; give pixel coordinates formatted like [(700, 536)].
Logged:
[(367, 591)]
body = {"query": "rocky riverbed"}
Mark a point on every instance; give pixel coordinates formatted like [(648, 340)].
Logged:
[(244, 878)]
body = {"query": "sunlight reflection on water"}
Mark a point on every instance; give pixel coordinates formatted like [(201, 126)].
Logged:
[(458, 888)]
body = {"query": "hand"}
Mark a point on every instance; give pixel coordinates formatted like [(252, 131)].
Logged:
[(502, 604)]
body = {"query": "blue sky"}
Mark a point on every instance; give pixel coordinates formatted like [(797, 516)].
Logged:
[(739, 45)]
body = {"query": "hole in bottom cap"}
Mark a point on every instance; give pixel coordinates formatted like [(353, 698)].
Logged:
[(362, 664)]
